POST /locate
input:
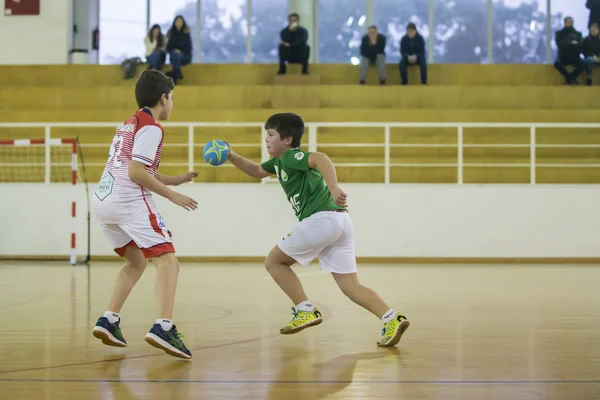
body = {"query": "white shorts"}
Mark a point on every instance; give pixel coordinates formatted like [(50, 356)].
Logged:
[(143, 228), (328, 235)]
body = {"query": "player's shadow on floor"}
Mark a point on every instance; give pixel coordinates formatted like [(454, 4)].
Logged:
[(300, 379), (122, 382)]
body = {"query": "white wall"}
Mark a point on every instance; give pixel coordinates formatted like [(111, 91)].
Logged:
[(390, 220), (40, 39)]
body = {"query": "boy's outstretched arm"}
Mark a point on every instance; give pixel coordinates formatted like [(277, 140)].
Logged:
[(323, 163), (176, 180), (138, 174), (248, 167)]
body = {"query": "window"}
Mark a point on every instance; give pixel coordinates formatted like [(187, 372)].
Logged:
[(122, 30), (223, 31), (568, 8), (460, 31), (519, 31), (391, 18), (164, 12), (341, 24), (269, 17)]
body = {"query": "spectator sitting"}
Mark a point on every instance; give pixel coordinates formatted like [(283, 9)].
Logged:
[(155, 48), (372, 51), (179, 47), (591, 50), (568, 41), (412, 49), (293, 47)]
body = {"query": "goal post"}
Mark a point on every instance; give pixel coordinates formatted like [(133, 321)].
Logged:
[(48, 161)]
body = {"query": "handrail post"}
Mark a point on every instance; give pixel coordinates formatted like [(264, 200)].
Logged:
[(191, 148), (459, 155), (386, 141), (47, 154), (312, 137), (532, 155), (264, 154)]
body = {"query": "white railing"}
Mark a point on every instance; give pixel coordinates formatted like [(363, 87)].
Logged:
[(312, 131)]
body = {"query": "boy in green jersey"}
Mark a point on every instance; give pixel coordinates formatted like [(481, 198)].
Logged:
[(324, 230)]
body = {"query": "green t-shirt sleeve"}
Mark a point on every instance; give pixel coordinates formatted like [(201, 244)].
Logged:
[(269, 166), (297, 161)]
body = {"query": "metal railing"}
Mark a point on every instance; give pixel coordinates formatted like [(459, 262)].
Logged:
[(312, 131)]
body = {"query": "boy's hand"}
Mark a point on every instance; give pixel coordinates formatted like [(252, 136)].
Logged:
[(183, 201), (339, 197), (189, 176)]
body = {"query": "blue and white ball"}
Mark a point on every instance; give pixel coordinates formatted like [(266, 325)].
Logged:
[(216, 152)]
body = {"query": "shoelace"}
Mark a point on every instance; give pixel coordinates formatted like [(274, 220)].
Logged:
[(295, 320), (118, 330)]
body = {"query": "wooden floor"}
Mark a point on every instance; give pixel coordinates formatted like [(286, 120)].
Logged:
[(478, 332)]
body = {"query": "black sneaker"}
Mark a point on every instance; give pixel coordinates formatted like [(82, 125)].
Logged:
[(169, 341), (110, 334)]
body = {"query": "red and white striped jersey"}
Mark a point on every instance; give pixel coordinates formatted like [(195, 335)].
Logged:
[(140, 139)]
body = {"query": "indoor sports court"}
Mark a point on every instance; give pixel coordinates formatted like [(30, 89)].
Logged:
[(451, 147), (477, 332)]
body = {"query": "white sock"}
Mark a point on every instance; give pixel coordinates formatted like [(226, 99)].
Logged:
[(166, 324), (112, 317), (389, 315), (306, 306)]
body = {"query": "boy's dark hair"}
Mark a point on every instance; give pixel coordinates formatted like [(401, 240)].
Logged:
[(294, 15), (287, 125), (150, 87), (411, 25)]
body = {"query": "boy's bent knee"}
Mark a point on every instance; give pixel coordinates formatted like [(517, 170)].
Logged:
[(277, 258), (166, 259)]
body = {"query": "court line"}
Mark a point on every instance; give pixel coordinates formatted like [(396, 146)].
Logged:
[(18, 303), (326, 313), (434, 382)]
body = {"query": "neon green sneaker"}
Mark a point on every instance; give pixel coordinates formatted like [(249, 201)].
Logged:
[(392, 331), (302, 320)]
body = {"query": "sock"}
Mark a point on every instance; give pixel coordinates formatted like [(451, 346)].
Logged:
[(306, 306), (389, 315), (166, 324), (112, 317)]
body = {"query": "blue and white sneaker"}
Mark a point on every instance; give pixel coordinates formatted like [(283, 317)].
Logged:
[(110, 334), (169, 341)]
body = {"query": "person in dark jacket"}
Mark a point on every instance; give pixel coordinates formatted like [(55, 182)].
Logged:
[(594, 7), (412, 49), (568, 41), (591, 51), (372, 51), (293, 47), (179, 47)]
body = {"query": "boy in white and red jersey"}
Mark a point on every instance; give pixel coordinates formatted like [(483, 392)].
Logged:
[(126, 211)]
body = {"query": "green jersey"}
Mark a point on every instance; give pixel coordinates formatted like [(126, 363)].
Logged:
[(304, 187)]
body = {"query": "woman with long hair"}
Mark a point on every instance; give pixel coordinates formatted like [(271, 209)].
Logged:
[(179, 47), (155, 48)]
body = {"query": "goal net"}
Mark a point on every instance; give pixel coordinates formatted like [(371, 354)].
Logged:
[(51, 161)]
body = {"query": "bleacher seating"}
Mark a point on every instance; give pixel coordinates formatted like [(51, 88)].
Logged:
[(250, 93)]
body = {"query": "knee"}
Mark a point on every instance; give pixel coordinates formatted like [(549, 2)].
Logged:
[(137, 265), (174, 55)]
